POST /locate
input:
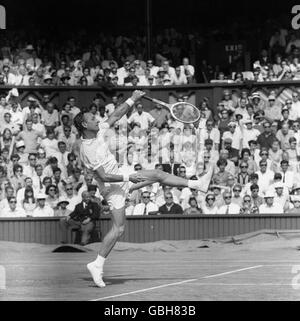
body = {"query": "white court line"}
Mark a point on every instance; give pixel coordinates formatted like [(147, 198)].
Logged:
[(245, 284), (176, 283)]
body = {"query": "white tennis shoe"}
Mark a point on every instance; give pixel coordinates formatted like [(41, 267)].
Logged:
[(96, 272)]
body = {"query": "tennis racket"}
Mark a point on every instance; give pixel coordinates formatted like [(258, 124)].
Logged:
[(181, 111)]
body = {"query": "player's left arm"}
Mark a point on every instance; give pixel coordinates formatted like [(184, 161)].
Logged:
[(125, 107)]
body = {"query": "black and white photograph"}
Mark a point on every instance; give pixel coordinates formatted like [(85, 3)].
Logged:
[(149, 153)]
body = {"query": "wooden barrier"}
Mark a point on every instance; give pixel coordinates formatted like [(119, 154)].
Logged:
[(142, 229)]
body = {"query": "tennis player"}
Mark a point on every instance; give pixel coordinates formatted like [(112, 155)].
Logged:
[(96, 156)]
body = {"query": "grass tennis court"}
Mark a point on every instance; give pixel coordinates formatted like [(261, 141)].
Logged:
[(257, 269)]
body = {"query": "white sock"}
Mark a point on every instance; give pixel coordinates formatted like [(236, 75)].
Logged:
[(100, 260), (194, 184)]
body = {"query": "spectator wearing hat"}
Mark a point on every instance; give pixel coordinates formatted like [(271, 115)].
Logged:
[(62, 210), (285, 119), (234, 134), (257, 102), (270, 207), (42, 209), (266, 139), (229, 207), (272, 110), (281, 198), (12, 210), (295, 200), (249, 133), (83, 218)]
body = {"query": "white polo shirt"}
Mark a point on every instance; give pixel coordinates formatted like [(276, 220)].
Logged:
[(144, 119), (46, 211), (274, 209), (139, 209)]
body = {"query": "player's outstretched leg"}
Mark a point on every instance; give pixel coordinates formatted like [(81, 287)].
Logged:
[(153, 176), (109, 241)]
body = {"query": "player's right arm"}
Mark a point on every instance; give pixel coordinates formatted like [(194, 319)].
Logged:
[(112, 178), (125, 107)]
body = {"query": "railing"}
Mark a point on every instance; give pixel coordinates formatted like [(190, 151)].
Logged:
[(196, 92), (140, 229)]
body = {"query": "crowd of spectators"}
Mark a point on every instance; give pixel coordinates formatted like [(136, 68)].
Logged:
[(253, 146)]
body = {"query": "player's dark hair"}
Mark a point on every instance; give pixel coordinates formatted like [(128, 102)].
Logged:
[(78, 120)]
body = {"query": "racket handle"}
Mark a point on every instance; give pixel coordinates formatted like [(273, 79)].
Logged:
[(148, 98)]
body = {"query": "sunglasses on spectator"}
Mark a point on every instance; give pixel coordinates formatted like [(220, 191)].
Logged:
[(13, 202), (265, 154), (237, 190), (244, 166), (211, 199), (69, 189), (263, 165), (247, 201), (182, 171), (227, 197), (146, 196), (52, 189)]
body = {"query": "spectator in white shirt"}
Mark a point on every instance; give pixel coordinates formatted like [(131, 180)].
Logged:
[(249, 133), (72, 198), (9, 192), (29, 170), (12, 210), (50, 143), (265, 177), (287, 176), (153, 69), (9, 78), (270, 207), (187, 69), (42, 210), (146, 207), (141, 117), (229, 207), (179, 78)]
